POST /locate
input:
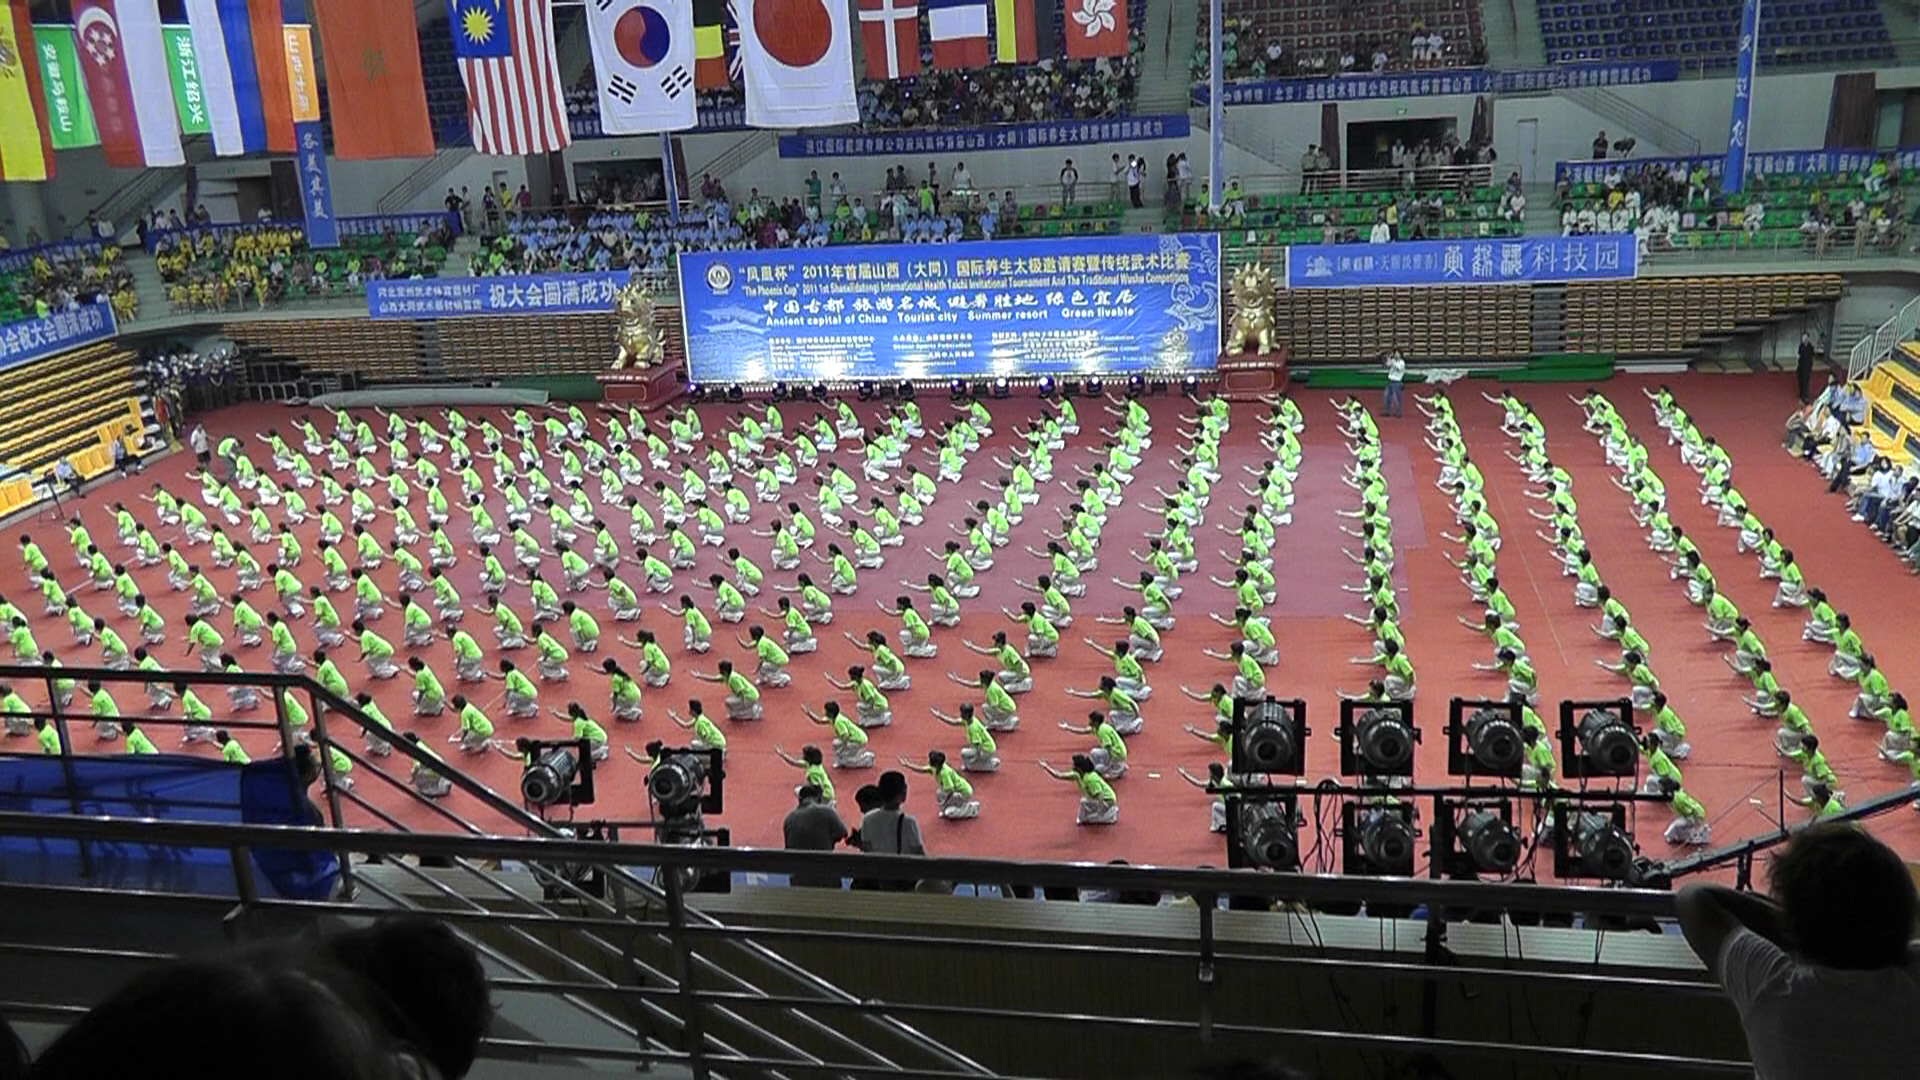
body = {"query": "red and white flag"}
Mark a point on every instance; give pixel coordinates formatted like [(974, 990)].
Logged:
[(959, 32), (797, 59), (890, 29), (514, 99), (1096, 28), (124, 62)]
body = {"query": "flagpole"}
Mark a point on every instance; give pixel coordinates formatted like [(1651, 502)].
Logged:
[(673, 179), (1216, 104)]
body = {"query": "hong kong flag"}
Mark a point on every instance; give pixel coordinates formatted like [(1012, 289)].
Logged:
[(1096, 28)]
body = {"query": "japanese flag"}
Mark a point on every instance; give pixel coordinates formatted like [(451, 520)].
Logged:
[(797, 59)]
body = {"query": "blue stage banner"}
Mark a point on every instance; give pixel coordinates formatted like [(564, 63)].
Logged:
[(1099, 305), (1463, 262), (998, 137), (316, 187), (442, 298), (586, 125), (1734, 175), (1364, 87), (43, 336), (1763, 163)]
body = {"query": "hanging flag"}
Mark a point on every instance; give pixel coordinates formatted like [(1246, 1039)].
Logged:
[(26, 148), (1015, 36), (69, 113), (310, 143), (1733, 178), (643, 61), (125, 64), (189, 98), (506, 56), (710, 45), (1096, 28), (242, 59), (375, 90), (890, 32), (797, 56), (959, 32)]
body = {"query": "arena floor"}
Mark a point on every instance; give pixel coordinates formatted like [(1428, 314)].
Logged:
[(1163, 819)]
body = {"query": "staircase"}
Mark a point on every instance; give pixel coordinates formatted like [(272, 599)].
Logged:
[(1549, 318), (433, 362), (1624, 118), (1165, 84)]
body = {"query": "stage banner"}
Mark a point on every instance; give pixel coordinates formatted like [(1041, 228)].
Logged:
[(1098, 305), (1518, 261), (997, 137), (38, 338), (1370, 87), (1759, 163), (544, 294)]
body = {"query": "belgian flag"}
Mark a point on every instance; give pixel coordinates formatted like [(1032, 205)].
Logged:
[(711, 19)]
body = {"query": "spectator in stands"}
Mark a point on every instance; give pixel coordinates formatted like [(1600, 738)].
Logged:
[(890, 830), (1069, 179), (1382, 232), (1823, 972), (65, 475), (1309, 167), (813, 825), (1600, 147), (1136, 175), (427, 982)]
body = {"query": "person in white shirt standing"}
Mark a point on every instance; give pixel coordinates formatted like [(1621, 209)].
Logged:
[(1824, 974), (1396, 379)]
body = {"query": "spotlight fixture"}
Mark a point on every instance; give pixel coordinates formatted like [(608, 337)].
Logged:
[(1483, 738), (1377, 838), (1136, 386), (1002, 389), (1190, 385), (1597, 738), (1158, 387), (957, 389), (1047, 387), (696, 391), (736, 393), (1376, 738), (1472, 837), (866, 390), (1093, 387), (818, 391), (556, 773), (1269, 737), (781, 391), (1263, 831), (904, 390), (1590, 840)]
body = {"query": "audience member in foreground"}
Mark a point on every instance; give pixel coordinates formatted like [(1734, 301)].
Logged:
[(1824, 973)]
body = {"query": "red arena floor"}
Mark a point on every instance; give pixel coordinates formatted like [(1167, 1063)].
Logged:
[(1163, 820)]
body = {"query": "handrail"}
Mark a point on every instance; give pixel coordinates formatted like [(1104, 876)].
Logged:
[(1867, 353)]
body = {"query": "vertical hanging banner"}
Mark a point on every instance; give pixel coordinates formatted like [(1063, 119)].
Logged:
[(310, 145), (189, 92), (797, 58), (125, 64), (1734, 177), (26, 149), (375, 91), (643, 61), (69, 113)]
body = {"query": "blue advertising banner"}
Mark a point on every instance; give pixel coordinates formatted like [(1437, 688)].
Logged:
[(316, 186), (1764, 163), (1368, 86), (1463, 262), (586, 124), (1102, 305), (38, 338), (1733, 177), (998, 137), (545, 294)]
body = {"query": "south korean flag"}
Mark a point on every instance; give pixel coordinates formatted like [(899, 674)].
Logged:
[(643, 57)]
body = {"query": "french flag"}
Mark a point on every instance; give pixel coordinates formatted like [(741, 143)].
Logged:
[(959, 32)]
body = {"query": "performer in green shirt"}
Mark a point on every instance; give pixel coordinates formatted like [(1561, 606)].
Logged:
[(1098, 804)]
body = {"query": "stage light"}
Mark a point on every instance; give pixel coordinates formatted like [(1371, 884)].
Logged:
[(866, 390), (549, 778), (678, 783), (1591, 842), (1190, 386), (1136, 386), (1046, 387), (957, 390), (1093, 387), (1002, 389), (1263, 832), (781, 391), (1483, 738), (1376, 738), (1386, 839), (904, 390), (736, 393), (1490, 841), (1269, 737), (1158, 387), (1601, 742), (818, 391), (696, 391)]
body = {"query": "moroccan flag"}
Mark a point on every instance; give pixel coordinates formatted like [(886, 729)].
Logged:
[(375, 90), (26, 148), (1096, 28), (710, 45)]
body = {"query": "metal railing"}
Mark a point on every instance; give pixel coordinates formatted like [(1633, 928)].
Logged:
[(1869, 351)]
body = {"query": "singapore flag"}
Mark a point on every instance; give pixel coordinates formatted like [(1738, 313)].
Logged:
[(797, 59)]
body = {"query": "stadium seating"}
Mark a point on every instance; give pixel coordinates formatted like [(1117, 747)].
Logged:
[(374, 348), (57, 407), (1313, 33), (1666, 316), (446, 93), (1893, 404), (1301, 219), (449, 349), (226, 268), (55, 273), (1362, 325), (1705, 33)]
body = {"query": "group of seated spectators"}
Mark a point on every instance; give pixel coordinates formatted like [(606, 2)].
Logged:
[(1250, 51), (1883, 494), (65, 277), (1659, 202), (223, 267)]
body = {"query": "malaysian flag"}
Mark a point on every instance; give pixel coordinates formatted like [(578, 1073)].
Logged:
[(507, 60)]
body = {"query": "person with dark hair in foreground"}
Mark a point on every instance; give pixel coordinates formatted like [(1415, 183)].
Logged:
[(425, 983), (1824, 972)]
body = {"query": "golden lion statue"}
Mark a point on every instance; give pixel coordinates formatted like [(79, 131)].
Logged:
[(637, 339), (1252, 310)]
